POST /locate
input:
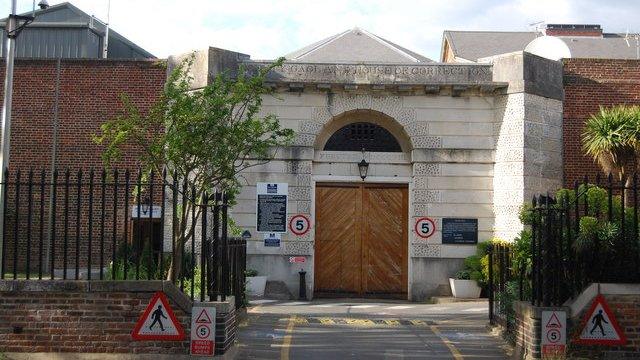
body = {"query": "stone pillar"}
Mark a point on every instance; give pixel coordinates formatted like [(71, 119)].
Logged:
[(528, 158)]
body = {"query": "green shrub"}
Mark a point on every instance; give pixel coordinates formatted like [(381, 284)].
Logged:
[(463, 275), (251, 272)]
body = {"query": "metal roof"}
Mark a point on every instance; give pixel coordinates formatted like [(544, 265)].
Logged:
[(65, 31), (472, 45), (355, 46)]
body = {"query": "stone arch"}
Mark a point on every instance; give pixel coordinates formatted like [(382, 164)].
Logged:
[(363, 115)]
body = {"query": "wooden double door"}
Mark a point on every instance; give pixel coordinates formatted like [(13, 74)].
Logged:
[(361, 240)]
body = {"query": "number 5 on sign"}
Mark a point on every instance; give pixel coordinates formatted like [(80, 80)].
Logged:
[(299, 224), (425, 227)]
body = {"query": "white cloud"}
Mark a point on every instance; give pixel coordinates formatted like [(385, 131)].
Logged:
[(266, 29)]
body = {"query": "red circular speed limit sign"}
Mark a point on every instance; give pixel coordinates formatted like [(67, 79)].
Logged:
[(203, 331), (425, 227), (554, 336), (299, 224)]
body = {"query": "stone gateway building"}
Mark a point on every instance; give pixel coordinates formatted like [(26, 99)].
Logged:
[(462, 145)]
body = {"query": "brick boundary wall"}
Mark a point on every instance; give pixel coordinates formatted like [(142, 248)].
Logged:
[(589, 84), (626, 308), (94, 317)]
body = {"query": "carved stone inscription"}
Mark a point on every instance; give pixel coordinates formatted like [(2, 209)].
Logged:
[(379, 74)]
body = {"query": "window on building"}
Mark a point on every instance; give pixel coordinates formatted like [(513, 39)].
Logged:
[(359, 135)]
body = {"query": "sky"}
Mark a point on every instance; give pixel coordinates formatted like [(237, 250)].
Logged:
[(268, 29)]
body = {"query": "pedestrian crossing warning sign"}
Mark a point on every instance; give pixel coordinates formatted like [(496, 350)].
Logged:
[(600, 326), (158, 322)]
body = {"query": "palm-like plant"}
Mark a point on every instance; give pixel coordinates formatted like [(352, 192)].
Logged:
[(611, 137)]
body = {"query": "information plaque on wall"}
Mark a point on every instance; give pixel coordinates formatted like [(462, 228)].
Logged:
[(271, 207), (459, 231)]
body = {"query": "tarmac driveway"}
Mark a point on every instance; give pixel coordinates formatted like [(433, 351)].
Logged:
[(362, 329)]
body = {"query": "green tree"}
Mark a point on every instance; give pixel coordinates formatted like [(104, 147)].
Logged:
[(611, 137), (208, 136)]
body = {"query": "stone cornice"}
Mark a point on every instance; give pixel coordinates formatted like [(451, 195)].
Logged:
[(383, 74)]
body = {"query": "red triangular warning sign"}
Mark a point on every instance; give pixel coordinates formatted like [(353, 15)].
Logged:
[(158, 322), (554, 322), (599, 326), (203, 318)]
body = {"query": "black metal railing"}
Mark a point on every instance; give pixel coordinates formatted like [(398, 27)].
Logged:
[(120, 225), (501, 270), (585, 235)]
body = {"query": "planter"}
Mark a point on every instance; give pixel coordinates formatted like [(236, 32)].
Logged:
[(256, 285), (464, 289)]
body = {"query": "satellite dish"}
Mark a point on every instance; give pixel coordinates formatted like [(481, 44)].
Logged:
[(549, 47)]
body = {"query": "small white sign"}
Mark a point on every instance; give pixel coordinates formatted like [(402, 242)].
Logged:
[(554, 333), (156, 211), (272, 239), (203, 330)]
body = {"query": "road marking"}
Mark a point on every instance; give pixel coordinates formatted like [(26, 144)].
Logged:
[(362, 322), (286, 342), (326, 321), (400, 307), (363, 306), (359, 322), (456, 354)]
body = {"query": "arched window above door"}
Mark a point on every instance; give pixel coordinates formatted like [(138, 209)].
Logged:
[(359, 135)]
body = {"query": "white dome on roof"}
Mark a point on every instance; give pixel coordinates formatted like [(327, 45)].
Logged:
[(549, 47)]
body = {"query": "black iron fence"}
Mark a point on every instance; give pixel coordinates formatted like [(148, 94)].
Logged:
[(583, 235), (120, 226), (499, 269)]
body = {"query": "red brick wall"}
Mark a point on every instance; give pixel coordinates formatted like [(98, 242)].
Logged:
[(90, 93), (95, 317), (573, 32), (626, 309), (85, 322), (588, 84)]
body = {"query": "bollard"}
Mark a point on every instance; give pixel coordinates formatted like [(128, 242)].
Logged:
[(303, 285)]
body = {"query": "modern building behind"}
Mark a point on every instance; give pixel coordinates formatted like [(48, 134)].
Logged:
[(64, 31), (584, 41)]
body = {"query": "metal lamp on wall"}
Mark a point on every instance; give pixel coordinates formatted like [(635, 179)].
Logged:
[(363, 167)]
